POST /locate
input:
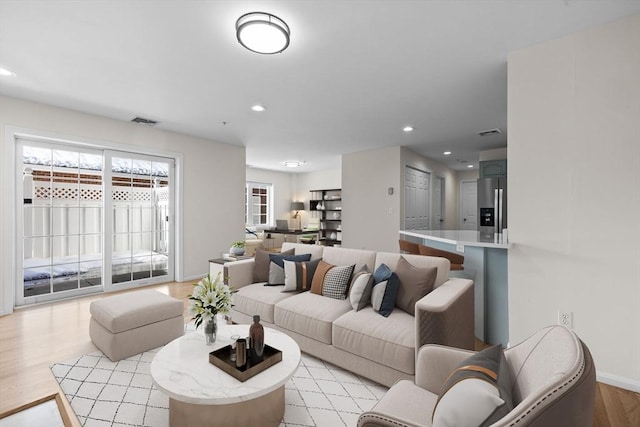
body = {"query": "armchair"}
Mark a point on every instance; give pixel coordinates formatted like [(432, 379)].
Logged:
[(553, 384)]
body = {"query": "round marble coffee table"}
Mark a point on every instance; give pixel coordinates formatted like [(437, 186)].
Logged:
[(202, 394)]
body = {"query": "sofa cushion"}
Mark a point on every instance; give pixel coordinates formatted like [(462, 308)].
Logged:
[(336, 281), (261, 265), (318, 277), (345, 256), (310, 315), (258, 299), (298, 275), (389, 341), (415, 283), (477, 392), (314, 250)]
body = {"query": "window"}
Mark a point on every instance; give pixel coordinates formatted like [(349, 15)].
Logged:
[(258, 203)]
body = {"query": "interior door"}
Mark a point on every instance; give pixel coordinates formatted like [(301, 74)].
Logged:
[(416, 199), (468, 205), (438, 203)]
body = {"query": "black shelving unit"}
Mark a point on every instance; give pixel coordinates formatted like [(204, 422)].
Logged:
[(327, 206)]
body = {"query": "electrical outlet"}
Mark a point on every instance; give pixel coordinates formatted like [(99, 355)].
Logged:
[(460, 248), (565, 318)]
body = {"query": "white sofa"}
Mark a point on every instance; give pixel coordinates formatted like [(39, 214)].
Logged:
[(382, 349)]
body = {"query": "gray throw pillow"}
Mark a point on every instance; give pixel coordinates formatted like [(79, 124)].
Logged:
[(360, 293), (415, 282), (261, 265)]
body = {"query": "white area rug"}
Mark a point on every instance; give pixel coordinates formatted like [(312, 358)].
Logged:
[(106, 393)]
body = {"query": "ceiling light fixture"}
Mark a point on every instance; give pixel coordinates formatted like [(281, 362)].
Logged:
[(293, 164), (447, 153), (259, 108), (408, 128), (6, 73), (263, 33), (469, 166)]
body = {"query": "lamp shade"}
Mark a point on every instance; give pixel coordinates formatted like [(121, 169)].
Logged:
[(297, 206), (262, 32)]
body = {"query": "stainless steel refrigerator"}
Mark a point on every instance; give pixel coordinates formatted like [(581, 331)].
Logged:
[(492, 205)]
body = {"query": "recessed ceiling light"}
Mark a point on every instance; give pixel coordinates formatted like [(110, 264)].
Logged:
[(259, 108), (293, 163), (469, 166), (6, 73), (447, 153), (408, 128)]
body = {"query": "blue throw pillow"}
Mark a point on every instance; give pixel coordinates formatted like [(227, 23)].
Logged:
[(390, 295), (280, 259), (382, 273)]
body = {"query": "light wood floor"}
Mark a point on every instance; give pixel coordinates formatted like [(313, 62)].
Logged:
[(31, 339)]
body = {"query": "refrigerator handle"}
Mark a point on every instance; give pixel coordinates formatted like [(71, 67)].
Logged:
[(496, 212), (500, 192)]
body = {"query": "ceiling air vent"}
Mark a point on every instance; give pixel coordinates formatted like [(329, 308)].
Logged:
[(144, 121), (490, 132)]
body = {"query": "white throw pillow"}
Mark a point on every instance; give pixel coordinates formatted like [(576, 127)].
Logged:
[(467, 404), (360, 294), (377, 294)]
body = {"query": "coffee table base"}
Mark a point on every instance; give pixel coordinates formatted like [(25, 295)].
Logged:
[(267, 410)]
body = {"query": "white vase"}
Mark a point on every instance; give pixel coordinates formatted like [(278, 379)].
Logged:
[(236, 251)]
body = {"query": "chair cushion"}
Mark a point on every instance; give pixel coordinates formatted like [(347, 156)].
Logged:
[(259, 299), (310, 315), (477, 392), (389, 340)]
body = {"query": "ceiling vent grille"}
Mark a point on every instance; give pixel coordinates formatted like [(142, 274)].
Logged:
[(490, 132), (144, 121)]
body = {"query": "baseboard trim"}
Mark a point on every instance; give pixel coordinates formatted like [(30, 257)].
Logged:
[(191, 278), (619, 382)]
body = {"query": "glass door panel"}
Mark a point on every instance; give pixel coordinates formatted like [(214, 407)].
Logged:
[(61, 220)]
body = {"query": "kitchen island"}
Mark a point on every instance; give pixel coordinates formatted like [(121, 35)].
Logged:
[(485, 262)]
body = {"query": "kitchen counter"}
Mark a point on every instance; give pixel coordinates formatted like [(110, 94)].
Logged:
[(460, 237), (485, 262)]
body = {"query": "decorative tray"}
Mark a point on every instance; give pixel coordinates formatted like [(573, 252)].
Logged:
[(220, 358)]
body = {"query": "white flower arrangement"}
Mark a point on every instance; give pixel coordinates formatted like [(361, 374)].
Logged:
[(209, 298)]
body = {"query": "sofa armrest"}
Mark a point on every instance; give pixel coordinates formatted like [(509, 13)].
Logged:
[(239, 273), (445, 316), (435, 363)]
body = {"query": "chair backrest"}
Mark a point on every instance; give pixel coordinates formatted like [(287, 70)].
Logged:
[(408, 247), (455, 259), (553, 381)]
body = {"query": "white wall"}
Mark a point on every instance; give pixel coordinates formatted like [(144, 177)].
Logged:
[(371, 217), (496, 154), (451, 187), (574, 158), (213, 177)]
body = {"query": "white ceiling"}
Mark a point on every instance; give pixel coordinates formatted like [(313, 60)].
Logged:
[(355, 73)]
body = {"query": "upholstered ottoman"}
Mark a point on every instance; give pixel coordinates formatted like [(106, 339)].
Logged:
[(128, 324)]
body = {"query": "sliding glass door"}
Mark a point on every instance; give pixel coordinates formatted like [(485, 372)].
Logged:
[(75, 240), (139, 231)]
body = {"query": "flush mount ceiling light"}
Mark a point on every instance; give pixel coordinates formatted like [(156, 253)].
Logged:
[(408, 128), (469, 166), (447, 153), (293, 164), (259, 108), (262, 32)]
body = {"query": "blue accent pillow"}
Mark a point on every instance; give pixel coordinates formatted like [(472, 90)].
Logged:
[(280, 259), (390, 295), (382, 273)]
